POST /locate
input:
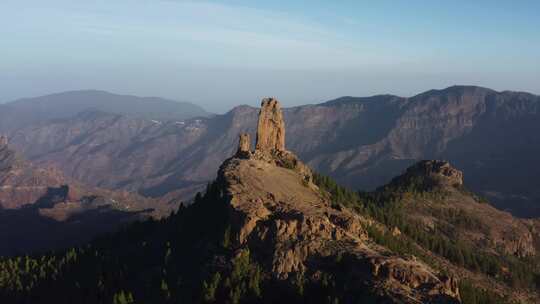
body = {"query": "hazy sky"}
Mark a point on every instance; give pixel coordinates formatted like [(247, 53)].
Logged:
[(223, 53)]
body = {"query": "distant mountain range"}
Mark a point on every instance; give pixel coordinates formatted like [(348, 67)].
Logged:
[(362, 142), (28, 111)]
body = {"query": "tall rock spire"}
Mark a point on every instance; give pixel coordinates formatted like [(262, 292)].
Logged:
[(271, 127)]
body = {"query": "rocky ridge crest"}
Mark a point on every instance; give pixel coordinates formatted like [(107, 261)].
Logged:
[(429, 174), (288, 223), (455, 205)]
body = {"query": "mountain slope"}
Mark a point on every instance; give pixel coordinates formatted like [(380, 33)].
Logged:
[(460, 231), (427, 213), (22, 183), (362, 142), (27, 111), (40, 209), (432, 193)]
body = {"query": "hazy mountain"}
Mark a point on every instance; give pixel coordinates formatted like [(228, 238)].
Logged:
[(23, 112), (362, 142), (21, 183), (41, 209)]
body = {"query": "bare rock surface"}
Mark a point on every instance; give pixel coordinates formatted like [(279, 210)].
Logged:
[(291, 228), (271, 126), (438, 170), (429, 174), (244, 144)]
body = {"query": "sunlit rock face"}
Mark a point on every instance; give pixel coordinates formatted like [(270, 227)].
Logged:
[(289, 225), (271, 127)]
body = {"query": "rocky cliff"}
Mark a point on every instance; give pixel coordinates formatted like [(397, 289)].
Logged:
[(288, 224), (271, 127)]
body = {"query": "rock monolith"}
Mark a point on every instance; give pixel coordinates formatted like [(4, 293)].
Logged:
[(271, 127)]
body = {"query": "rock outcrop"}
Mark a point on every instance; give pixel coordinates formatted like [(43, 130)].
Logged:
[(271, 127), (289, 226), (3, 140), (439, 171), (244, 144), (447, 203), (428, 174)]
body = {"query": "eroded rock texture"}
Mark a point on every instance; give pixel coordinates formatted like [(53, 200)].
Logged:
[(291, 229), (427, 174), (271, 127), (244, 144), (439, 170)]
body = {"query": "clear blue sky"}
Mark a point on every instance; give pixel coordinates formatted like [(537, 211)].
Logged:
[(224, 53)]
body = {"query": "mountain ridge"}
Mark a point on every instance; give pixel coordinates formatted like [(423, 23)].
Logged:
[(363, 145), (453, 88), (24, 111)]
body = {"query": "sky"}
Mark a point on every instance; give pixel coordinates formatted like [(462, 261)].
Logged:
[(220, 54)]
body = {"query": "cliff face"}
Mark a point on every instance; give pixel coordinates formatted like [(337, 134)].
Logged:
[(271, 127), (289, 226)]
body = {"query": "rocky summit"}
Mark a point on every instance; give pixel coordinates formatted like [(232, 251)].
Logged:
[(271, 127), (431, 173), (290, 227)]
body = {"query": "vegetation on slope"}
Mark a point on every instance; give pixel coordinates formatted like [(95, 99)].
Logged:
[(388, 205), (151, 262), (188, 257)]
